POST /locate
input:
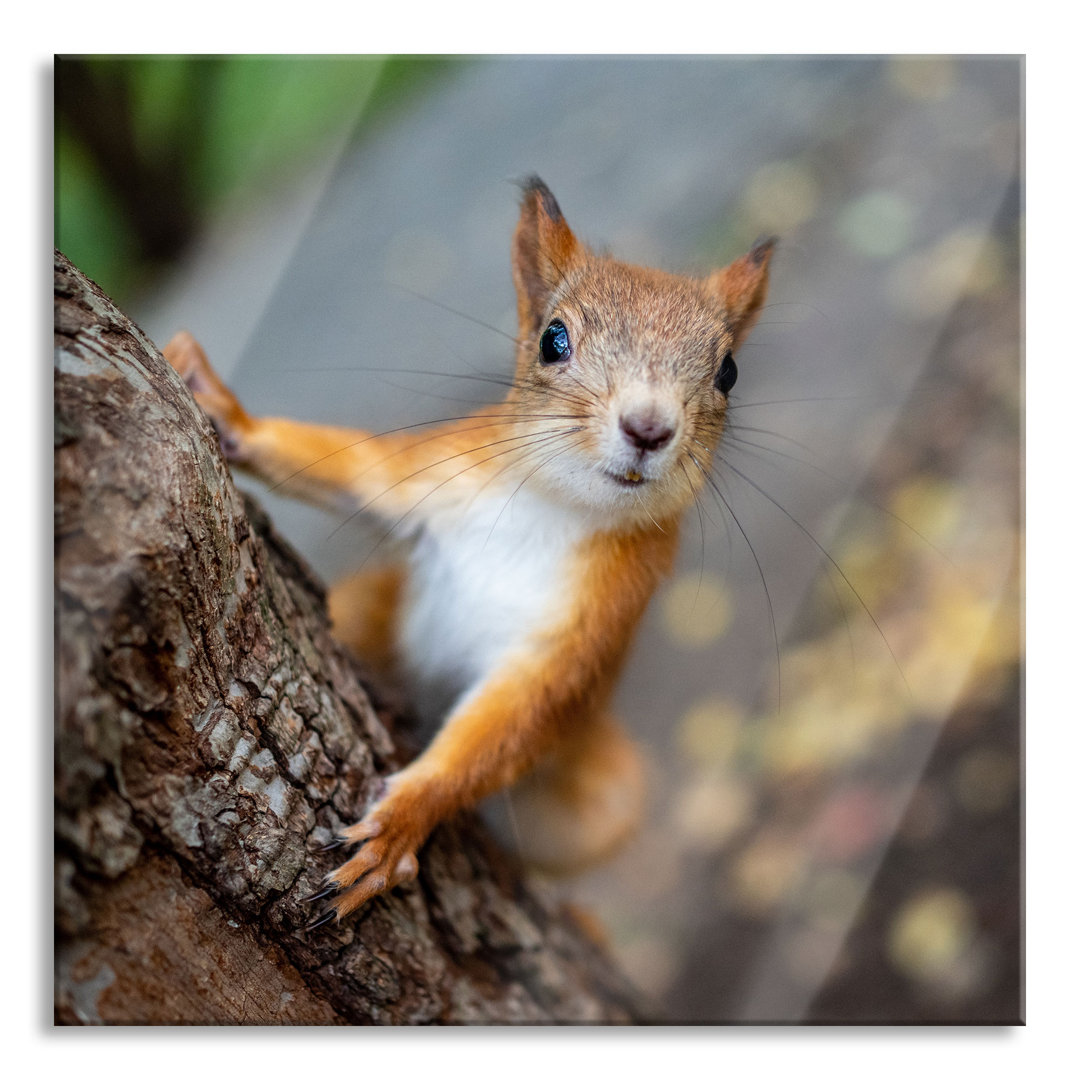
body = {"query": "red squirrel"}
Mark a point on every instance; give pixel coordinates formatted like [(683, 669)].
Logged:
[(540, 528)]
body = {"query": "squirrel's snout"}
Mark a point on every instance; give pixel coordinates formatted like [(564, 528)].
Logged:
[(646, 429)]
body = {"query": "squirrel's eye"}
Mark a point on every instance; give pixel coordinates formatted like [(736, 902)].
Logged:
[(728, 373), (554, 344)]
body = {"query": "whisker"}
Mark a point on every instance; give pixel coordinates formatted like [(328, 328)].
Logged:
[(865, 398), (527, 418), (547, 460), (855, 592), (701, 526), (496, 417), (493, 378), (711, 481), (461, 472), (526, 449), (477, 400), (738, 443), (641, 503), (794, 401), (844, 615), (590, 395), (797, 303), (735, 444), (454, 311), (738, 427), (535, 436), (579, 401)]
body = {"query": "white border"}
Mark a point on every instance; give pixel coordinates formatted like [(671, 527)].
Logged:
[(1052, 363)]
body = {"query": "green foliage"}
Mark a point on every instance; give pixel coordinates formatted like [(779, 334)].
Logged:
[(88, 221), (142, 141)]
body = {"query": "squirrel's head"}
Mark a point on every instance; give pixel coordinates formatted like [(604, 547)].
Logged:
[(642, 360)]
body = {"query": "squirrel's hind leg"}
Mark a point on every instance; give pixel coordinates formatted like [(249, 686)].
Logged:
[(581, 804), (364, 610)]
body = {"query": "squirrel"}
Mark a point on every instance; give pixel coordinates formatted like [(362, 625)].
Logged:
[(539, 527)]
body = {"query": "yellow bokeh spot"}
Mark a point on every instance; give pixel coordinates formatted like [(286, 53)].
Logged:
[(709, 732), (930, 505), (709, 812), (765, 873), (696, 609), (780, 197), (925, 78), (878, 224), (834, 712), (930, 934), (968, 262)]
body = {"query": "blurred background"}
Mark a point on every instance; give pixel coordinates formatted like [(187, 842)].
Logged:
[(829, 689)]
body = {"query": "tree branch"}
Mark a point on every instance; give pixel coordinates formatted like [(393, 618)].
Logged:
[(211, 736)]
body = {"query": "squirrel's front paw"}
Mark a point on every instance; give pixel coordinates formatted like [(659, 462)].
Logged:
[(230, 421), (389, 835)]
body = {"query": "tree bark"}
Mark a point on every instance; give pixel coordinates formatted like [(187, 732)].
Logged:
[(211, 736)]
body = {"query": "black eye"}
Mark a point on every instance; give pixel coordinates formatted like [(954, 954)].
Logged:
[(554, 344), (726, 376)]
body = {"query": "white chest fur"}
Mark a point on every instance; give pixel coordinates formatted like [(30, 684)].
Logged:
[(483, 578)]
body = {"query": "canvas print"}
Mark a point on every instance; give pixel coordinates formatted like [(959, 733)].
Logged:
[(538, 540)]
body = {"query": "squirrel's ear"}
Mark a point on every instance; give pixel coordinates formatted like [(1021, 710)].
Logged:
[(544, 250), (741, 286)]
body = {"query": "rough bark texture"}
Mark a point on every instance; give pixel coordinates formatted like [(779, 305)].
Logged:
[(211, 736)]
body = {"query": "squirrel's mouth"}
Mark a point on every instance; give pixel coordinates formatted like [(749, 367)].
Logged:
[(626, 478)]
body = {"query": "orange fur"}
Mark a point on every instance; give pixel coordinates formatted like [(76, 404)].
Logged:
[(363, 612), (582, 800), (581, 437), (526, 710)]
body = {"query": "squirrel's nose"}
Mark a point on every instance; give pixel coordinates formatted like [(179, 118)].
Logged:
[(646, 430)]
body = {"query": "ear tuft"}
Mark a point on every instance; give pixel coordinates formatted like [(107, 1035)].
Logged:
[(763, 249), (533, 186), (544, 251)]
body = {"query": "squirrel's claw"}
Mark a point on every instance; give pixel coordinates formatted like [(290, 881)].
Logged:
[(322, 893), (322, 919)]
